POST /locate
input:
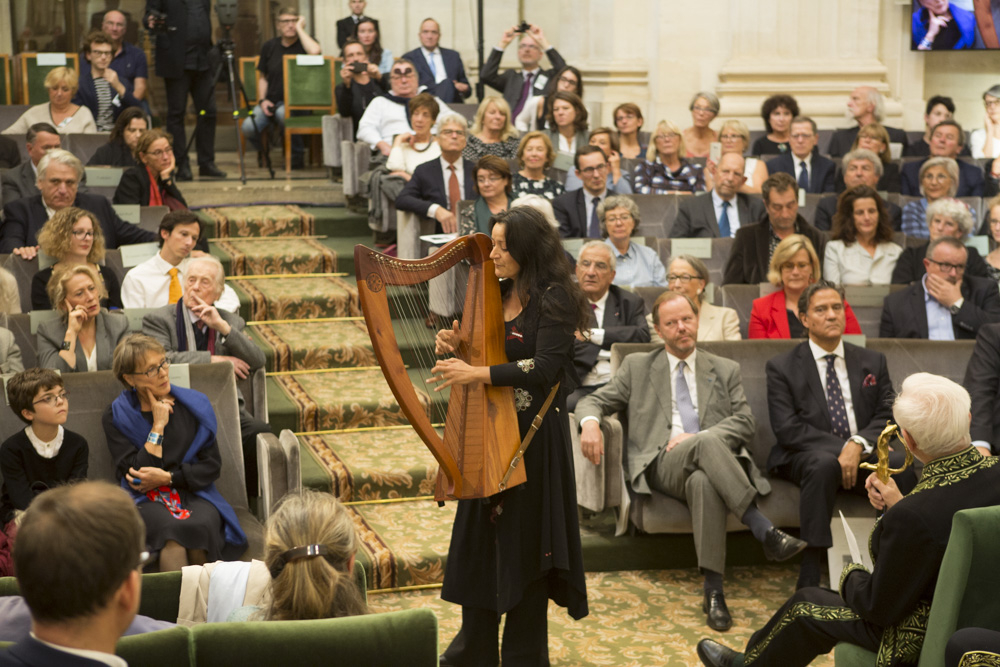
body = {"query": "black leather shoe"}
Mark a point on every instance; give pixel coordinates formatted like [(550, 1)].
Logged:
[(714, 654), (779, 545), (715, 607), (183, 173), (209, 170)]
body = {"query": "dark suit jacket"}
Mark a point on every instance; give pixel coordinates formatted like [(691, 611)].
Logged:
[(904, 314), (624, 322), (23, 219), (982, 381), (345, 29), (751, 254), (797, 403), (822, 171), (454, 69), (827, 207), (33, 653), (511, 82), (161, 324), (696, 216), (86, 94), (570, 209), (19, 182), (910, 265), (769, 318), (10, 154), (970, 179), (427, 187), (170, 44), (842, 140)]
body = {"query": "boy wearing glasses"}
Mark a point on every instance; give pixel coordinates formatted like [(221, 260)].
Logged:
[(101, 89), (42, 456)]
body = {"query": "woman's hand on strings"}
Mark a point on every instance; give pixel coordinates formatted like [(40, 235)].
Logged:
[(447, 341), (455, 371)]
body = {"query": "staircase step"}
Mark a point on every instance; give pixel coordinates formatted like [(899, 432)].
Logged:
[(296, 345), (296, 297), (340, 222)]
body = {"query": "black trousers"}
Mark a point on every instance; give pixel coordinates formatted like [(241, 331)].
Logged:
[(249, 428), (809, 624), (970, 647), (201, 87)]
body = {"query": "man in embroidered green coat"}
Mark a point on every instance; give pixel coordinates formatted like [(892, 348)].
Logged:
[(886, 610)]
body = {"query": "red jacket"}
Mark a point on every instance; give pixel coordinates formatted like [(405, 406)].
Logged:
[(769, 318)]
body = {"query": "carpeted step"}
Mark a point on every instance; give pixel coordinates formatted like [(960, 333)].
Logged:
[(267, 220), (296, 345), (340, 222), (265, 256), (296, 297)]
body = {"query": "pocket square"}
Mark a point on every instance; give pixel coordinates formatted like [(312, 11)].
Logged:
[(869, 381)]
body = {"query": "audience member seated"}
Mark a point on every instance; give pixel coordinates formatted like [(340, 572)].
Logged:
[(688, 275), (860, 251), (163, 442), (441, 70), (794, 267), (291, 39), (985, 142), (84, 337), (159, 280), (535, 155), (874, 138), (735, 138), (100, 88), (129, 61), (813, 172), (607, 140), (22, 181), (361, 82), (535, 114), (520, 85), (859, 167), (947, 140), (939, 108), (540, 204), (619, 317), (750, 258), (945, 217), (79, 561), (577, 211), (72, 238), (636, 265), (409, 151), (866, 105), (367, 33), (151, 182), (492, 182), (567, 122), (196, 331), (704, 463), (939, 177), (628, 121), (10, 353), (59, 174), (42, 456), (943, 25), (347, 25), (982, 380), (309, 547), (725, 210), (120, 149), (664, 169), (10, 154), (946, 304), (60, 111), (10, 298), (699, 137), (492, 131), (991, 229), (777, 112)]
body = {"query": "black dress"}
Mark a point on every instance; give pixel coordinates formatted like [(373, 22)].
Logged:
[(113, 154), (765, 146), (204, 528), (502, 544), (40, 295)]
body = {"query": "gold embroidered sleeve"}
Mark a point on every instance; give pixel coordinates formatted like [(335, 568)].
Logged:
[(853, 567)]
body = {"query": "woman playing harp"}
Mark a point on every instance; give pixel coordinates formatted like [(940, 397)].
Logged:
[(512, 552)]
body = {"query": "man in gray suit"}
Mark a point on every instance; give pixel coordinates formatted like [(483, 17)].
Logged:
[(724, 210), (688, 417), (22, 181), (519, 85)]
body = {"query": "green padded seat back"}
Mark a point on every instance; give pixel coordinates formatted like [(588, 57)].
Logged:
[(309, 85), (35, 92), (163, 648), (248, 72), (314, 120)]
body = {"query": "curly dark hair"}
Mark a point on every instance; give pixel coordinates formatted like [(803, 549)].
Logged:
[(843, 220), (126, 117), (772, 103)]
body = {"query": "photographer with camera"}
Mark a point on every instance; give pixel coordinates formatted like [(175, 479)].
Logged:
[(188, 63), (361, 82), (519, 86), (292, 40)]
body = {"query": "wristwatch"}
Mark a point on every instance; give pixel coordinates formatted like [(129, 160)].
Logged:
[(65, 345)]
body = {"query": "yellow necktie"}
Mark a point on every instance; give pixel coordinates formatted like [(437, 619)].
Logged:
[(175, 287)]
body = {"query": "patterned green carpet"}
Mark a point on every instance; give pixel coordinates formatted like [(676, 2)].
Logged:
[(301, 345)]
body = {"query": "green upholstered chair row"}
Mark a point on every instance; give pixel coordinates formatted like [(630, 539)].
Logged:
[(308, 88), (31, 76)]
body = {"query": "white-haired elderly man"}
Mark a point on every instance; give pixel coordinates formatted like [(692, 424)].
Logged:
[(860, 167), (59, 174), (195, 331), (944, 217), (865, 105), (886, 610)]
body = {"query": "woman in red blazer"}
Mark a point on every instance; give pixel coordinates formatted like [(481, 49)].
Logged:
[(794, 266)]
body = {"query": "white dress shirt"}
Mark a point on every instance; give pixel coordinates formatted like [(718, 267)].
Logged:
[(384, 119), (840, 366), (852, 265), (147, 285), (733, 213), (438, 68), (676, 425), (601, 372), (446, 173)]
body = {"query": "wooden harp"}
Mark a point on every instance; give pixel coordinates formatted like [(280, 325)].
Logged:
[(481, 434)]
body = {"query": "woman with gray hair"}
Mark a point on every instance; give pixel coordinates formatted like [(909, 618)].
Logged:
[(638, 265), (945, 217), (986, 142), (699, 137), (938, 178), (688, 275)]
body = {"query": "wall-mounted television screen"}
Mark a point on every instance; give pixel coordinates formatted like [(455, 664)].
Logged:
[(953, 25)]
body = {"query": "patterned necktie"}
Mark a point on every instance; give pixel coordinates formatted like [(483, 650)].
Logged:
[(804, 176), (593, 316), (175, 287), (835, 400), (594, 231), (689, 416), (525, 94), (454, 191), (724, 231)]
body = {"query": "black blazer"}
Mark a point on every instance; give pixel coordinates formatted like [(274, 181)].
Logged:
[(427, 187), (904, 314), (19, 182), (30, 651), (10, 154), (910, 265), (827, 208), (889, 182), (970, 179), (112, 154), (696, 216), (982, 381), (24, 218), (822, 171), (454, 69), (570, 209), (750, 256), (842, 140), (171, 44), (345, 29), (797, 403), (134, 188), (511, 82), (624, 322)]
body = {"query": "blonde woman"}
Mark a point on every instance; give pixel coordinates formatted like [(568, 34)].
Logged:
[(492, 131), (665, 169), (71, 237), (62, 84)]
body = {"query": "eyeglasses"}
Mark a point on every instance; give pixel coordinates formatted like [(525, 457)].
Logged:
[(401, 73), (52, 400), (791, 266), (990, 104), (528, 46), (82, 234), (682, 278), (101, 54), (161, 152), (936, 178), (586, 264), (153, 372), (295, 20), (948, 268), (492, 178), (624, 217), (564, 79), (588, 171), (730, 137)]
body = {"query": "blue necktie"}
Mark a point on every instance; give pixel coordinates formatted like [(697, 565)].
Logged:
[(835, 401), (804, 176), (724, 230), (685, 406), (595, 225), (430, 63)]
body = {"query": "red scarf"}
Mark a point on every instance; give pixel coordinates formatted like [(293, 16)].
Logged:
[(155, 199)]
